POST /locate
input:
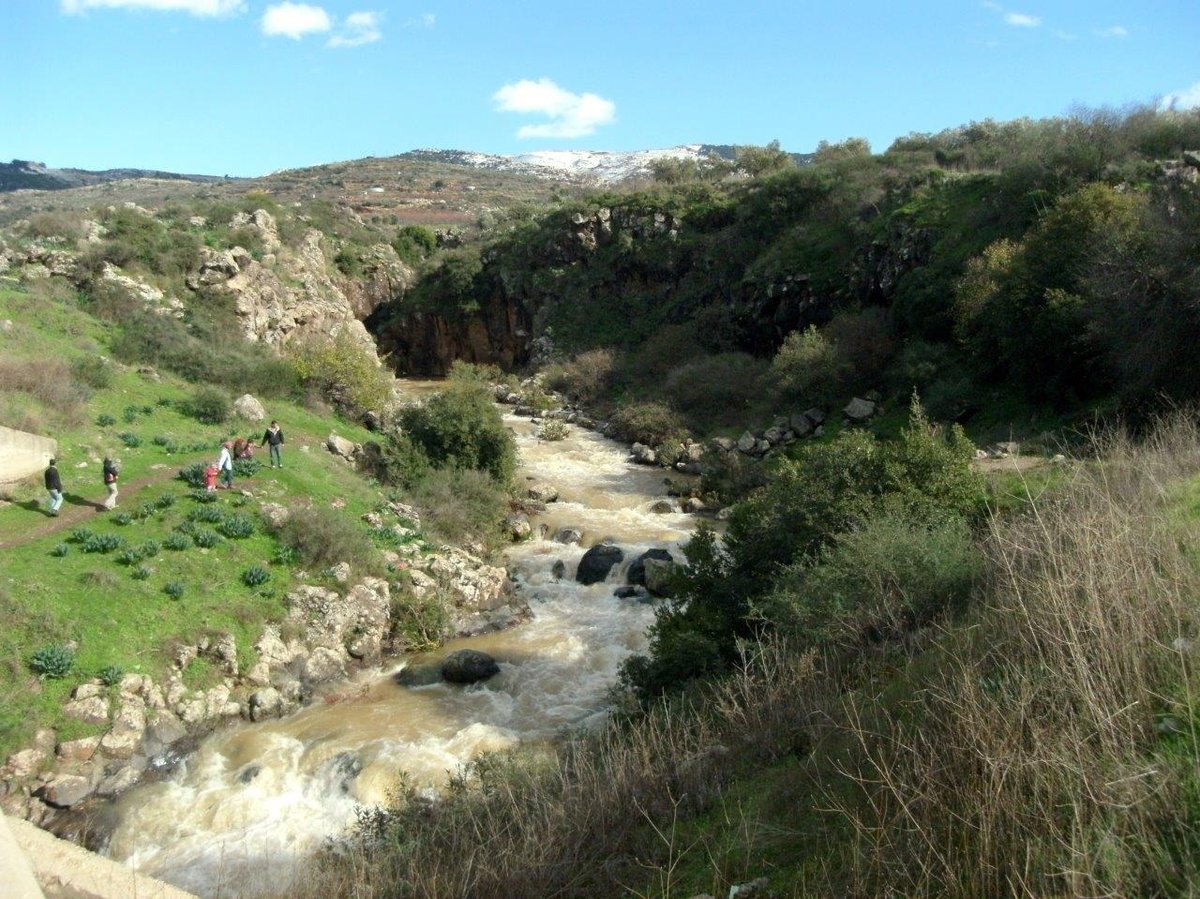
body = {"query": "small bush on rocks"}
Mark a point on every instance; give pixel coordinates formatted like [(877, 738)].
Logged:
[(110, 675), (649, 423)]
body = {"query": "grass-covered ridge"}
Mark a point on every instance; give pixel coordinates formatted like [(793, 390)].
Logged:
[(93, 594)]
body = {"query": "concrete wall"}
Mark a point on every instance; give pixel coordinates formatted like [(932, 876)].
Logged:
[(63, 870), (22, 454)]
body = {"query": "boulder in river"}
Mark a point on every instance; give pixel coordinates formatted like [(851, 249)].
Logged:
[(568, 535), (597, 562), (637, 571), (468, 666)]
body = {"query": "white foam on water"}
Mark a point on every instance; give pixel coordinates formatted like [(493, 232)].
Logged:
[(253, 802)]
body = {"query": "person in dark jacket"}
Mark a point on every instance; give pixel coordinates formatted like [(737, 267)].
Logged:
[(273, 439), (54, 487), (111, 473)]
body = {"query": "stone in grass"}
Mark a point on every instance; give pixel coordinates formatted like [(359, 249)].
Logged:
[(468, 666)]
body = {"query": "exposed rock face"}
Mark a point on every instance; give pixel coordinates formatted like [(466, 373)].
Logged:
[(468, 666), (291, 293)]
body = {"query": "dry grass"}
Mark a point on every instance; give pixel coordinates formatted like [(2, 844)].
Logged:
[(1033, 761), (51, 384), (1046, 747)]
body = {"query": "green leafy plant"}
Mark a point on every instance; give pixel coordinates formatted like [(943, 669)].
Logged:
[(236, 527), (177, 542), (553, 430), (60, 550), (255, 576), (102, 543), (206, 539), (130, 414), (130, 439), (105, 420), (141, 573), (122, 518), (110, 675), (207, 514), (80, 535), (53, 661), (208, 405), (174, 589)]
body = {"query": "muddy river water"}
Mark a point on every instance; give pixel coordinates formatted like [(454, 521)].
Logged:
[(238, 815)]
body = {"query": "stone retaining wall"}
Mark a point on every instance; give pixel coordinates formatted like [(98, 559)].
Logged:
[(23, 454)]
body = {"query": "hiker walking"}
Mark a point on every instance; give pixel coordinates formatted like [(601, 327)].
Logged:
[(225, 465), (273, 439), (54, 487), (111, 473)]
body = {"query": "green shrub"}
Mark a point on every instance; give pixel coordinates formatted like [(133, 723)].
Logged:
[(105, 420), (888, 575), (150, 549), (585, 378), (110, 675), (461, 428), (401, 462), (650, 423), (193, 475), (206, 539), (165, 501), (553, 430), (716, 390), (421, 623), (209, 405), (94, 371), (255, 576), (203, 497), (102, 543), (461, 505), (80, 535), (246, 468), (236, 527), (177, 542), (344, 371), (129, 557), (122, 518), (809, 370), (322, 538), (141, 573), (53, 661), (414, 243), (174, 589), (207, 514), (60, 550), (131, 413)]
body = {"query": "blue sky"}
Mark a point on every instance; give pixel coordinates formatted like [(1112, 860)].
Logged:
[(243, 87)]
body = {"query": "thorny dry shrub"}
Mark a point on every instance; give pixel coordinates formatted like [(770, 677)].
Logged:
[(50, 384), (1053, 749)]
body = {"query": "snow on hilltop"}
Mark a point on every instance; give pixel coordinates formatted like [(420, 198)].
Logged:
[(589, 165)]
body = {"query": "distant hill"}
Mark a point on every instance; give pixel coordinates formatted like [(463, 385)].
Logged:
[(22, 174), (585, 165)]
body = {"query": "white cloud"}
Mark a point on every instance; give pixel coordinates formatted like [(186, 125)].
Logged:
[(1115, 31), (295, 20), (195, 7), (571, 115), (359, 28), (1188, 98), (1020, 20)]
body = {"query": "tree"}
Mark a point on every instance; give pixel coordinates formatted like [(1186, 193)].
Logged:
[(759, 161)]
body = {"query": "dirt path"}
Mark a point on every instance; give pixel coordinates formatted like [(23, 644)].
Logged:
[(77, 510)]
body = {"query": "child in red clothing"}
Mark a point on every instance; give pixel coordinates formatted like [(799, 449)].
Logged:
[(210, 479)]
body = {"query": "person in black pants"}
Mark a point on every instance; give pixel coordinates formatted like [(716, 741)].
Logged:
[(273, 440)]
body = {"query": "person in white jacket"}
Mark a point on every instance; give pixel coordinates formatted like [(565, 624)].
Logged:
[(225, 465)]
